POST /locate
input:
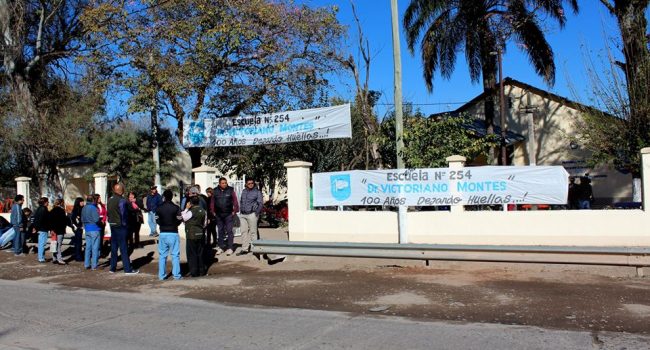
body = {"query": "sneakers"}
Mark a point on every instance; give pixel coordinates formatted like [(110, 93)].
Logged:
[(61, 262), (229, 252), (20, 254), (242, 252), (111, 271), (219, 251), (133, 272)]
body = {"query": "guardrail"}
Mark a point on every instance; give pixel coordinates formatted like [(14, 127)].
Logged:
[(614, 256)]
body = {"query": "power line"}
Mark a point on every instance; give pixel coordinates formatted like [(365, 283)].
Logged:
[(423, 104)]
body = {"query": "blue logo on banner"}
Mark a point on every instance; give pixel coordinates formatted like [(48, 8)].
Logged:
[(197, 132), (340, 187)]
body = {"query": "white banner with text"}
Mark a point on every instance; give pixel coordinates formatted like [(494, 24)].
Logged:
[(283, 127), (484, 185)]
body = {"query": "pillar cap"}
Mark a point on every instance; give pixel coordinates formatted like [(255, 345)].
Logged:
[(23, 179), (645, 150), (297, 164), (205, 169), (96, 175), (456, 158)]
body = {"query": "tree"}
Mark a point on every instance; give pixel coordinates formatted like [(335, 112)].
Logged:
[(215, 57), (635, 41), (365, 99), (124, 150), (621, 90), (481, 29), (38, 41), (429, 141)]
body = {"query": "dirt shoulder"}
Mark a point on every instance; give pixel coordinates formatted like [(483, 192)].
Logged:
[(552, 296)]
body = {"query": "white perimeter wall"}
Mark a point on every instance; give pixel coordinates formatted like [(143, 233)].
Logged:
[(548, 227)]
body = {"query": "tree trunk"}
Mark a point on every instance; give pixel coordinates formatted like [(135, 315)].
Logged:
[(195, 156), (632, 23)]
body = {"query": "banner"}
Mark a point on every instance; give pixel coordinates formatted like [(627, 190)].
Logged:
[(303, 125), (443, 186)]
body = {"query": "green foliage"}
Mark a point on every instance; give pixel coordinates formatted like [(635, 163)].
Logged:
[(429, 141), (126, 152), (221, 57)]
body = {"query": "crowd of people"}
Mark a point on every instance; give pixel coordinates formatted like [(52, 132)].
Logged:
[(208, 221)]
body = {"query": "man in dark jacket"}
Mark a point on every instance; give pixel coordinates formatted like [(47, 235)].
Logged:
[(224, 206), (251, 207), (117, 219), (169, 217), (153, 201), (42, 226)]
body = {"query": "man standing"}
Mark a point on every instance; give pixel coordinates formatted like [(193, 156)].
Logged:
[(117, 219), (211, 230), (224, 205), (169, 217), (90, 219), (153, 201), (195, 219), (17, 224), (251, 208)]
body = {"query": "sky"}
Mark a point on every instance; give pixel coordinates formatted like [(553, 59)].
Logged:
[(586, 33), (583, 38)]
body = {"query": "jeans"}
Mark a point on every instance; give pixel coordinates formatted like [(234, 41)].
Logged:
[(118, 241), (151, 219), (78, 240), (18, 240), (224, 229), (584, 204), (42, 242), (91, 258), (169, 242), (248, 230), (59, 249)]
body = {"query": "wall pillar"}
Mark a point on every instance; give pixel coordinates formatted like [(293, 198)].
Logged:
[(456, 162), (298, 186), (645, 178), (101, 186), (22, 187), (204, 176)]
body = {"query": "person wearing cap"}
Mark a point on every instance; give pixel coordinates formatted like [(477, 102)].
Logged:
[(195, 218), (153, 201), (224, 205)]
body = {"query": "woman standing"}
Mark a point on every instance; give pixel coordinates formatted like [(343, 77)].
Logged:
[(77, 228), (135, 220), (58, 223)]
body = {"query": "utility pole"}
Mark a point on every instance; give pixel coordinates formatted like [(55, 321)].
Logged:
[(399, 123), (154, 143), (502, 110)]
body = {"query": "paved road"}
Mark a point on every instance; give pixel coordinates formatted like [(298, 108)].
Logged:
[(39, 316)]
